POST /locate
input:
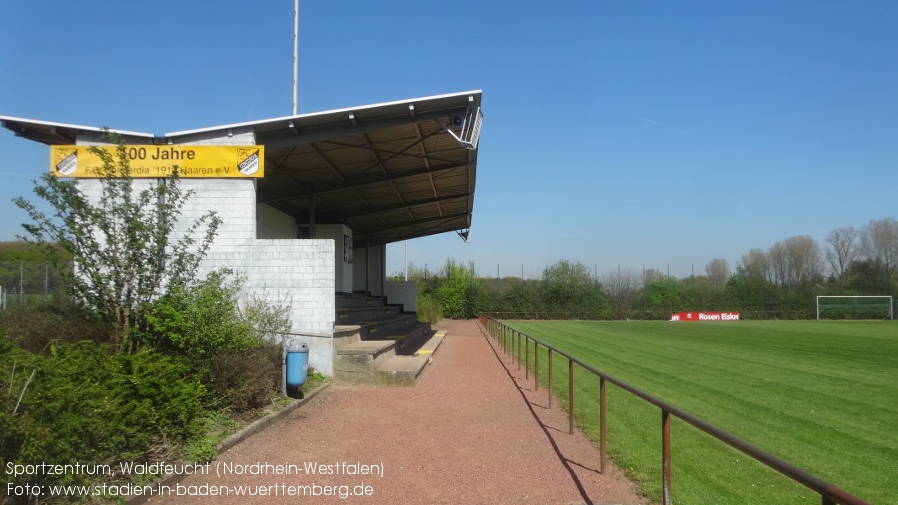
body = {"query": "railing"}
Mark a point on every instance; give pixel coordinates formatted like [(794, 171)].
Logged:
[(510, 341)]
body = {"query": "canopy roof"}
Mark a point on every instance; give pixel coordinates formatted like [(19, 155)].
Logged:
[(390, 172)]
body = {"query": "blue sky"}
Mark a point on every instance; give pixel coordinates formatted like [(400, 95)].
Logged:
[(642, 134)]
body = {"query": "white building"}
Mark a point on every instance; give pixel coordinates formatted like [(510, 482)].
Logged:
[(338, 187)]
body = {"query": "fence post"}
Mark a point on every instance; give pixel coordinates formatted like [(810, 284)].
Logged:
[(665, 456), (527, 358), (535, 365), (505, 339), (519, 351), (602, 422), (550, 378), (570, 389)]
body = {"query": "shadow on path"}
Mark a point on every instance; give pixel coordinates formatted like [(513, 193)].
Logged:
[(565, 461)]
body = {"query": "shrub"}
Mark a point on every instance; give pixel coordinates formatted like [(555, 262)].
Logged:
[(233, 352), (199, 320), (428, 309), (84, 403), (34, 326)]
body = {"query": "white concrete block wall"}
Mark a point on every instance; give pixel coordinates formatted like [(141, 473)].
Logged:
[(284, 268), (272, 223)]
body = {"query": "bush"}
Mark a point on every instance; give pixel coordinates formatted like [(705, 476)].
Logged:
[(34, 326), (199, 320), (242, 381), (232, 352), (82, 403), (428, 309)]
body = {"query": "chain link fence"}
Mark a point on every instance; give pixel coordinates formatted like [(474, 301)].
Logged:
[(24, 282)]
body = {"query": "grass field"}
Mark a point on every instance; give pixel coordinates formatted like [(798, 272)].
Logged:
[(820, 395)]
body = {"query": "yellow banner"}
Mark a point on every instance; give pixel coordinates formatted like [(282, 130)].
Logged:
[(156, 161)]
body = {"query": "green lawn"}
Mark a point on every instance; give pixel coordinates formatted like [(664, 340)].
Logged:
[(820, 395)]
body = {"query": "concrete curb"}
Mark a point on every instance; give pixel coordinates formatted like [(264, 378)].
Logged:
[(259, 425), (229, 442)]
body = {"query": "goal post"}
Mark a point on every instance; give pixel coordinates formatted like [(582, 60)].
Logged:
[(855, 307)]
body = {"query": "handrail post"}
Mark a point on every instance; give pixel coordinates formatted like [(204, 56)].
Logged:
[(665, 456), (602, 426), (527, 358), (511, 342), (550, 378), (570, 389), (535, 366)]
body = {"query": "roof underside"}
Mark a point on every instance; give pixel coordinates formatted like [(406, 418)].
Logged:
[(389, 172)]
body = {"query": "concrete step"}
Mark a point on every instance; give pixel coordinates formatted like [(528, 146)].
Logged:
[(410, 338), (402, 370), (352, 315), (346, 334), (383, 327), (357, 362), (430, 346)]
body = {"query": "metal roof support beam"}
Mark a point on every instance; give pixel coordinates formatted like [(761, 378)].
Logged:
[(337, 216), (418, 222), (275, 194)]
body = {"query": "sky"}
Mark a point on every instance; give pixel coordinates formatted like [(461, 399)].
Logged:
[(638, 134)]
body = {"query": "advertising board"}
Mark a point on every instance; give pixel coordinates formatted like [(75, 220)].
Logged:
[(704, 316), (159, 161)]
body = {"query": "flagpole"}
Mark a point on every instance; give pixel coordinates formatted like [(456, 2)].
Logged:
[(295, 55)]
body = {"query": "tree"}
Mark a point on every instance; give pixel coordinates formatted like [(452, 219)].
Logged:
[(718, 272), (755, 264), (664, 295), (804, 260), (841, 250), (794, 263), (570, 288), (752, 295), (879, 242), (622, 288), (122, 241), (458, 294)]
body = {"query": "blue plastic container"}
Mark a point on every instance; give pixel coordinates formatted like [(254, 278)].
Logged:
[(297, 365)]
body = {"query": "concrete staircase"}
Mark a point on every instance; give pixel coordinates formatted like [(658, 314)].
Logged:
[(379, 343)]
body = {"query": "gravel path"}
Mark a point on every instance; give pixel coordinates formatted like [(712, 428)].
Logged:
[(472, 431)]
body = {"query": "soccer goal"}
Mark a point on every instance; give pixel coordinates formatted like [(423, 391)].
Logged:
[(855, 307)]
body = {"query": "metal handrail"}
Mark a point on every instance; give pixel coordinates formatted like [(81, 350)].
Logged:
[(830, 494)]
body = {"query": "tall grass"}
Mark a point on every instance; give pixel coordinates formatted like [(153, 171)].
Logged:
[(821, 395)]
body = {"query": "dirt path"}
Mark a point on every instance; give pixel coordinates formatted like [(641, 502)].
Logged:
[(472, 431)]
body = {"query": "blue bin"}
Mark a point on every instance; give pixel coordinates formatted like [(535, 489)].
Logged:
[(297, 365)]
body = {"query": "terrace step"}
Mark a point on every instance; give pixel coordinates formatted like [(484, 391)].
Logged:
[(378, 343), (430, 346), (402, 370), (356, 362), (350, 315)]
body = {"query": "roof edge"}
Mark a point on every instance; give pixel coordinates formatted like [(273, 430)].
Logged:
[(51, 124), (321, 113)]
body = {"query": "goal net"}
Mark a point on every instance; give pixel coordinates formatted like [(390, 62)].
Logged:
[(855, 307)]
